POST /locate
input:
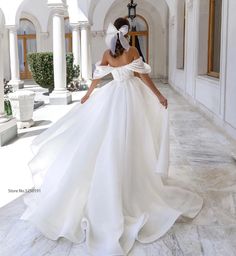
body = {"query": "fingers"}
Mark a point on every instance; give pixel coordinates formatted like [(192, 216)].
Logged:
[(164, 103), (83, 100)]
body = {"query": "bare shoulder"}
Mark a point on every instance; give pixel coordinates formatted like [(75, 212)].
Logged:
[(105, 57), (134, 52), (107, 53)]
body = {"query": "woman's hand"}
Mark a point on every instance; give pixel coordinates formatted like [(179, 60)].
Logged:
[(86, 96), (163, 101), (148, 81)]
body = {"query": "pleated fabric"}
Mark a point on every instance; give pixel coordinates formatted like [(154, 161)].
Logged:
[(100, 169)]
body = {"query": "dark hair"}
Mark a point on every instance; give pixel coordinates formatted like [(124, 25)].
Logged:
[(119, 48)]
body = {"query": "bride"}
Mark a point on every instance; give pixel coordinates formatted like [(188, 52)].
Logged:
[(99, 168)]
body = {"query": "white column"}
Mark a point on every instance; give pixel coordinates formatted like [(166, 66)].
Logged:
[(8, 128), (14, 59), (90, 55), (76, 43), (3, 117), (85, 52), (60, 95)]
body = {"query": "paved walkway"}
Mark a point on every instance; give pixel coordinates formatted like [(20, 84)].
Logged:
[(200, 161)]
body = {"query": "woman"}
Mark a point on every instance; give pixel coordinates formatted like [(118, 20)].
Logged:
[(99, 167)]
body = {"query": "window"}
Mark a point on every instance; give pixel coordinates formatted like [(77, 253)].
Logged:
[(181, 24), (139, 36), (214, 38), (26, 44)]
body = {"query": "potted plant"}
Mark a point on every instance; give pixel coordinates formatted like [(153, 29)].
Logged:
[(7, 104)]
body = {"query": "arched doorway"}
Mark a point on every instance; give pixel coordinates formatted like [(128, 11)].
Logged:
[(139, 36), (26, 44), (68, 35)]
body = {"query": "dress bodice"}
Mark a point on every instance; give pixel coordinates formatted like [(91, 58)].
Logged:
[(123, 72)]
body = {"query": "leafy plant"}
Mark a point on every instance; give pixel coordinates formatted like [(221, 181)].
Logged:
[(72, 71), (7, 103), (41, 67), (7, 87)]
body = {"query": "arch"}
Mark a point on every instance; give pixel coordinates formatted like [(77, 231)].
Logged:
[(141, 33), (38, 28), (97, 7), (10, 13), (33, 19), (142, 18), (158, 57), (32, 9), (2, 19), (27, 42), (77, 10)]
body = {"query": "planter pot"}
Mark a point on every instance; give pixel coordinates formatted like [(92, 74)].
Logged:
[(22, 103)]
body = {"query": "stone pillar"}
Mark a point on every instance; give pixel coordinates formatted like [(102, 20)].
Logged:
[(60, 95), (90, 75), (8, 128), (14, 59), (2, 113), (76, 44), (85, 51)]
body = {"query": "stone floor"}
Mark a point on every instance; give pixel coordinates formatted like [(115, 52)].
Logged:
[(201, 161)]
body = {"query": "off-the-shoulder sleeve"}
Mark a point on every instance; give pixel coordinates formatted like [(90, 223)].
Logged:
[(139, 66), (101, 71)]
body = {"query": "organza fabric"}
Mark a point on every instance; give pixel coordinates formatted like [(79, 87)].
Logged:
[(113, 34), (100, 169)]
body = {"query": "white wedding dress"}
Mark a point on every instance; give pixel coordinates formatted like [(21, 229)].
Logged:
[(100, 167)]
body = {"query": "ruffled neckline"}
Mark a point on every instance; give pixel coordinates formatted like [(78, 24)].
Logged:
[(109, 66)]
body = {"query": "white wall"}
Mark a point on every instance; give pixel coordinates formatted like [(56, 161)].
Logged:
[(215, 97), (230, 106)]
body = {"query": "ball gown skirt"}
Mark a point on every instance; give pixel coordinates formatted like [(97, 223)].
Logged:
[(100, 169)]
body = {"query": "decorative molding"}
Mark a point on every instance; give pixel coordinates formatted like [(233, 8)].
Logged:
[(58, 8), (44, 34), (33, 19), (75, 26), (172, 21), (100, 33), (12, 28), (61, 5), (84, 24), (190, 4)]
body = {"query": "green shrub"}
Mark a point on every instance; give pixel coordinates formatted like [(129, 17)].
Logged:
[(7, 107), (41, 67), (7, 104)]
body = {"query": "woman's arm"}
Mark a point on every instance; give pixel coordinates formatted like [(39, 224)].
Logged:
[(148, 81), (95, 82), (93, 85)]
